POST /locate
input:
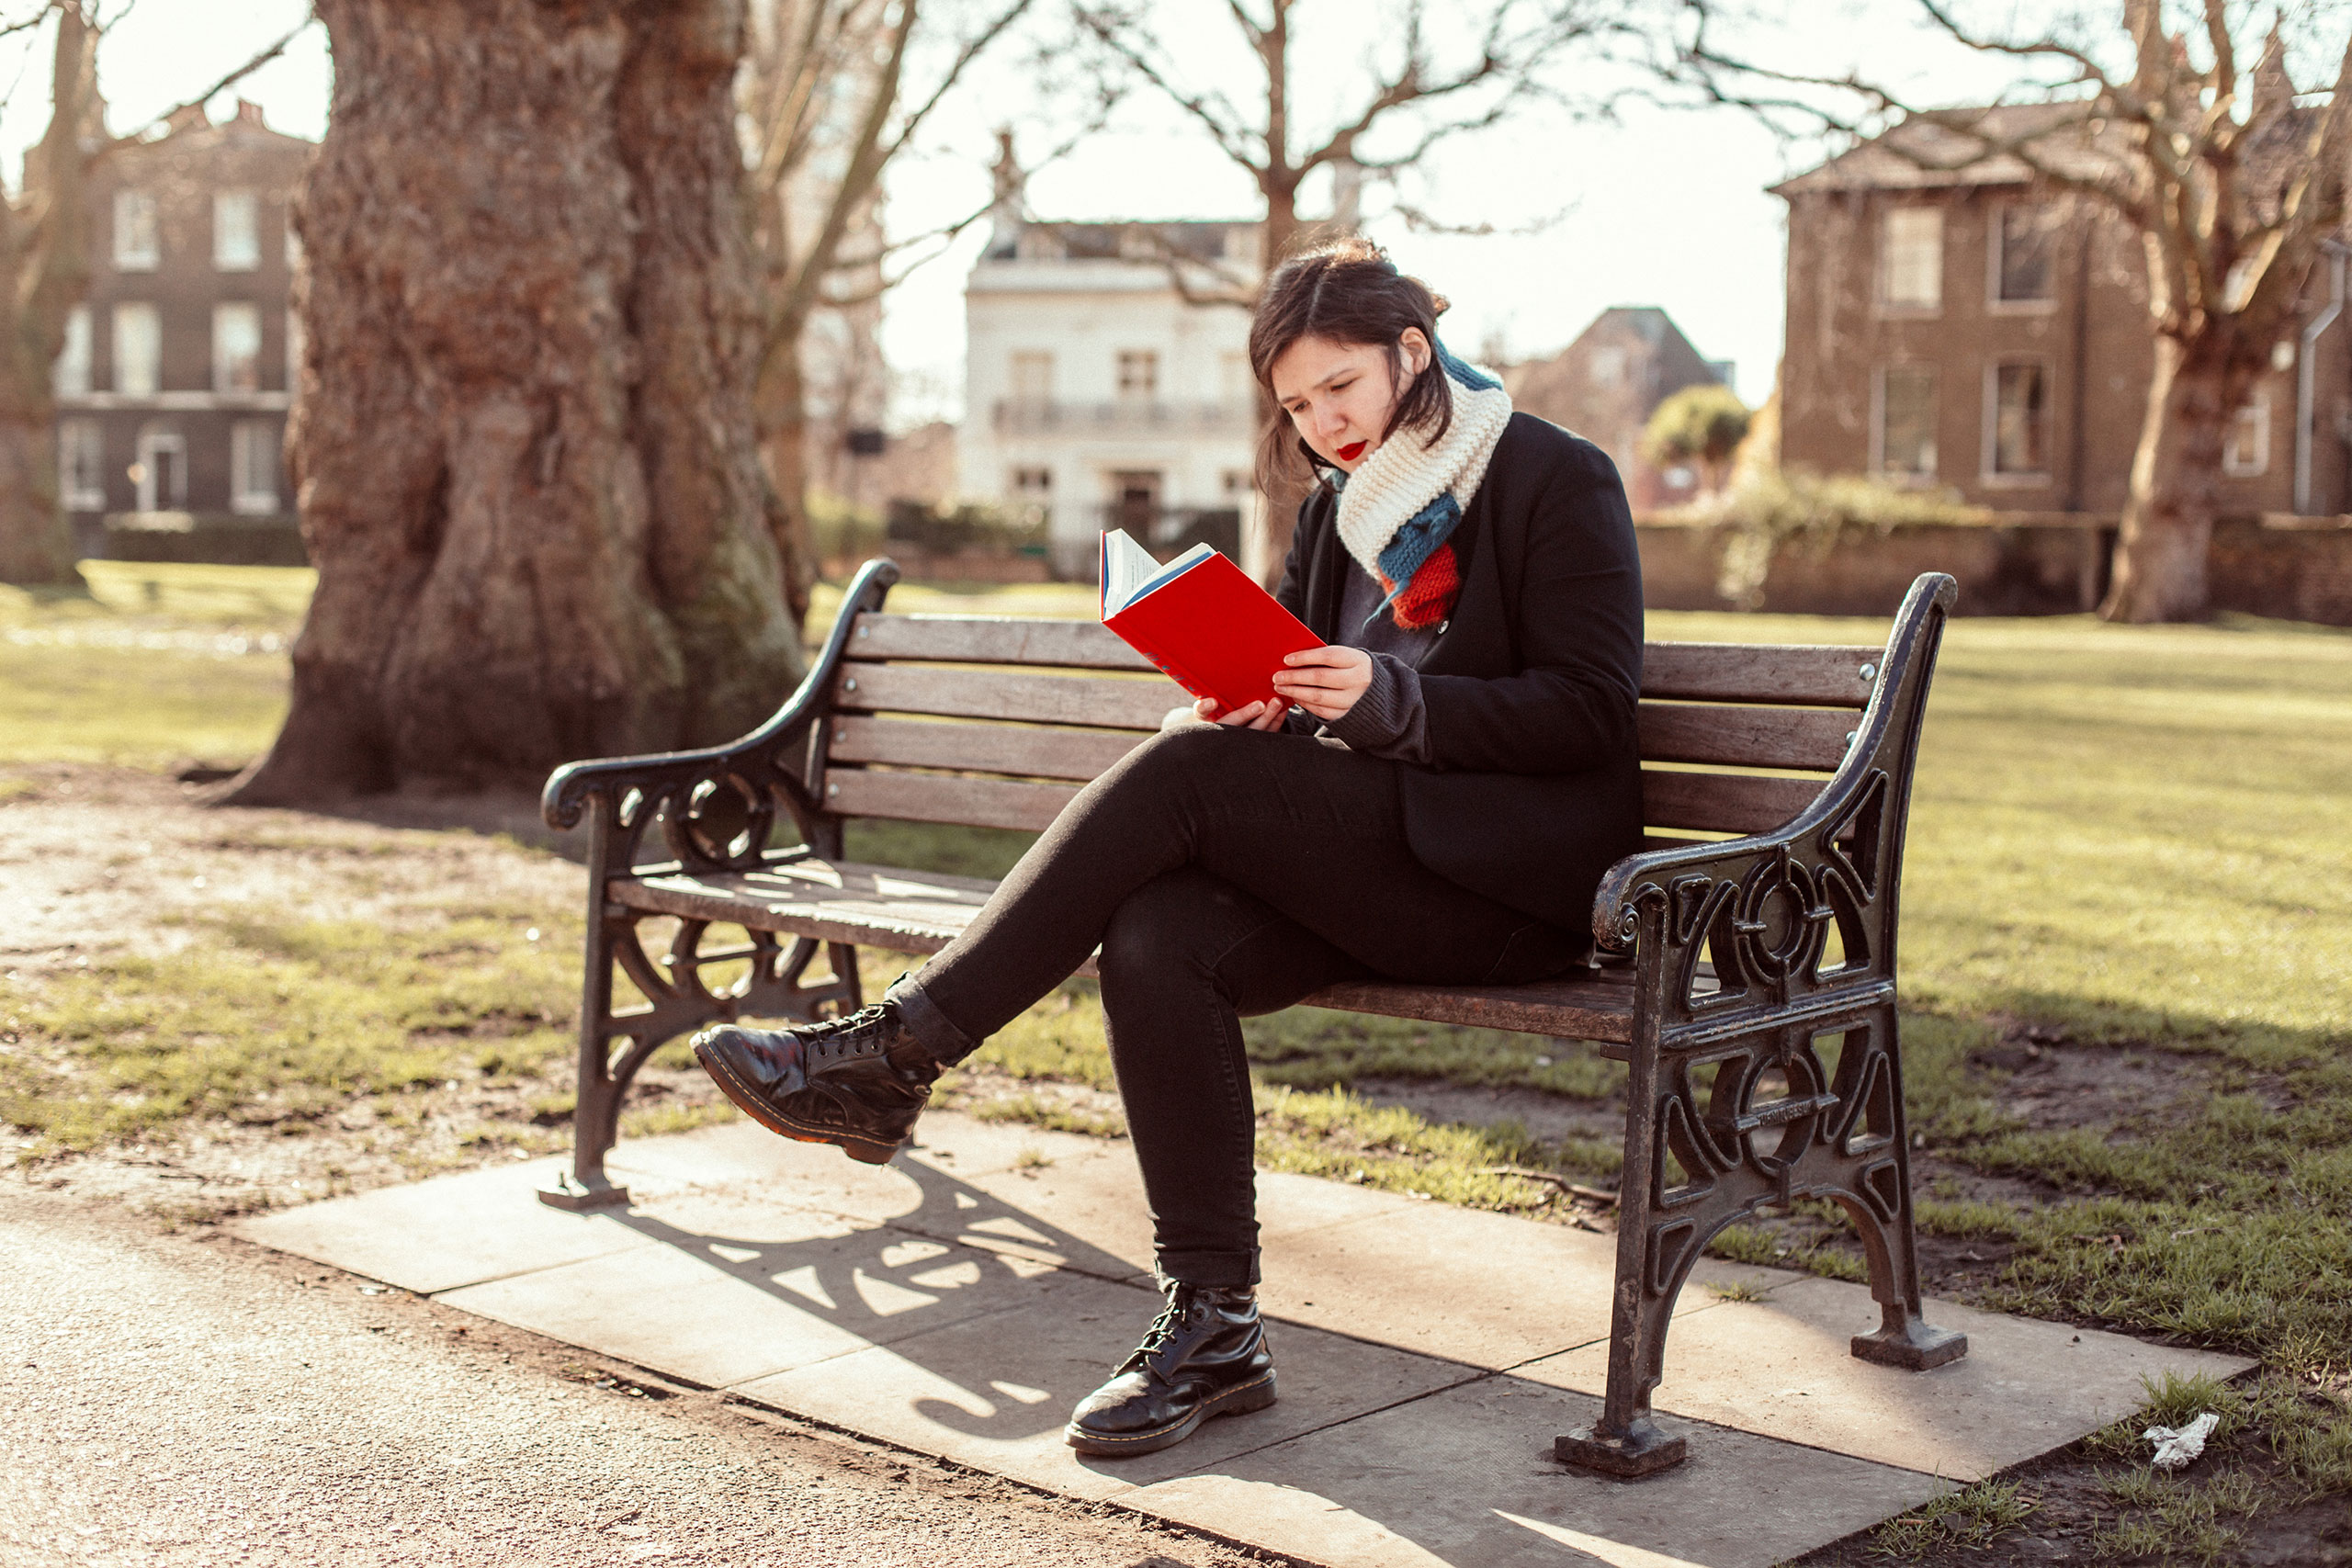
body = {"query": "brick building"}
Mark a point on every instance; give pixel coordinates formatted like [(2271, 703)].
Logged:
[(176, 379), (1605, 386), (1967, 327)]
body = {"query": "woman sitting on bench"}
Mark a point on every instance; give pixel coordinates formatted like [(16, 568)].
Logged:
[(1433, 798)]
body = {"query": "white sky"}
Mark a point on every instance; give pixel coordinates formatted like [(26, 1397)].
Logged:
[(1663, 207)]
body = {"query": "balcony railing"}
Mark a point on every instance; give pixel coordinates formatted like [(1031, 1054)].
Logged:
[(1128, 416)]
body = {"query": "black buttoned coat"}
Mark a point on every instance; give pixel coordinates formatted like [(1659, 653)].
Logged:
[(1533, 788)]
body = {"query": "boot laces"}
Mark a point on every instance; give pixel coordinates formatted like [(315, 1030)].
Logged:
[(855, 1035), (1162, 1332)]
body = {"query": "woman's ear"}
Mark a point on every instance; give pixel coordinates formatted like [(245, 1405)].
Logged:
[(1415, 345)]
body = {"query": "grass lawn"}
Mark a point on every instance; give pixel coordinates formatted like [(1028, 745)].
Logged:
[(2127, 972)]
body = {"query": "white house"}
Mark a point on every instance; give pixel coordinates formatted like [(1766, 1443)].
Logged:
[(1103, 386)]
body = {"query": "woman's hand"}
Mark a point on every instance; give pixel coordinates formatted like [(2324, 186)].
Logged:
[(1255, 716), (1326, 681)]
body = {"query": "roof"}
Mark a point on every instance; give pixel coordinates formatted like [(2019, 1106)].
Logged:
[(1923, 155), (1201, 240)]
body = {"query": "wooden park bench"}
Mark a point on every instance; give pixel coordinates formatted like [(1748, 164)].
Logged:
[(1756, 1015)]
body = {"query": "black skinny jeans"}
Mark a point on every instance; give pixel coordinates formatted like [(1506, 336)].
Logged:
[(1223, 871)]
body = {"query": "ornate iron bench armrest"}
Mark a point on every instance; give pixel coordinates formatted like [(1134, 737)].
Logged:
[(723, 799)]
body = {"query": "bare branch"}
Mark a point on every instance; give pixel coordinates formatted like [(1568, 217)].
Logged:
[(1218, 117), (222, 86)]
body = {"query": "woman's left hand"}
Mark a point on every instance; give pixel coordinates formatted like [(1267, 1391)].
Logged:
[(1326, 681)]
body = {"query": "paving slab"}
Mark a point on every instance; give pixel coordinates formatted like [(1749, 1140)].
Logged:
[(995, 1393), (454, 1230), (1781, 1367), (1513, 1291), (719, 1297), (1467, 1478)]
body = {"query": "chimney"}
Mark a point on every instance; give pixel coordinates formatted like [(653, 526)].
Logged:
[(1008, 212), (249, 113)]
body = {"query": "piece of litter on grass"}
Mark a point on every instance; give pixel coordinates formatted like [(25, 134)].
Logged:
[(2175, 1449), (371, 1290)]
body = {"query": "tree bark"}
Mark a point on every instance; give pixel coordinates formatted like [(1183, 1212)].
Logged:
[(2168, 519), (44, 256), (524, 444), (783, 414)]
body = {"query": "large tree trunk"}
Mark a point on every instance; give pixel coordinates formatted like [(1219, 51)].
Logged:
[(47, 267), (524, 444), (2168, 519), (1280, 517)]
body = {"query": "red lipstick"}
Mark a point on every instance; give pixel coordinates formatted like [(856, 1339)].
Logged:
[(1352, 450)]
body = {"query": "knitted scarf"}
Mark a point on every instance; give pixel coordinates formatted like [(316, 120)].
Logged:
[(1396, 511)]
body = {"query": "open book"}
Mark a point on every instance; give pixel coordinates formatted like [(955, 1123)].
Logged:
[(1201, 619)]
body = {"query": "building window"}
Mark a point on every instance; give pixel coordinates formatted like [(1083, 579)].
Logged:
[(253, 466), (136, 247), (1906, 421), (1032, 484), (2024, 239), (1033, 376), (138, 351), (82, 465), (236, 231), (2019, 395), (236, 348), (2245, 451), (1237, 483), (71, 378), (1139, 373), (293, 351), (1911, 258)]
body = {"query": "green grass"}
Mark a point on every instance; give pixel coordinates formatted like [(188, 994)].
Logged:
[(282, 1021)]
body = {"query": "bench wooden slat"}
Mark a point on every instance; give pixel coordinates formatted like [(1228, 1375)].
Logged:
[(1723, 803), (1596, 1006), (1005, 693), (875, 906), (973, 639), (1743, 737), (941, 797), (1741, 672), (979, 747)]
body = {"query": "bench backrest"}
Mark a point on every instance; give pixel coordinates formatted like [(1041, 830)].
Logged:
[(996, 723)]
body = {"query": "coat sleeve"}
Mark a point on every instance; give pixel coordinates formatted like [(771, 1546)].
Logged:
[(1290, 593), (1578, 602)]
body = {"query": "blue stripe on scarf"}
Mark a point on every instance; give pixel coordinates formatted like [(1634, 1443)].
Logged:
[(1419, 536)]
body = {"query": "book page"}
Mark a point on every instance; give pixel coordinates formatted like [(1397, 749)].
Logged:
[(1126, 567)]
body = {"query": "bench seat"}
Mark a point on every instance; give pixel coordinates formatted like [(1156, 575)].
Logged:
[(920, 911)]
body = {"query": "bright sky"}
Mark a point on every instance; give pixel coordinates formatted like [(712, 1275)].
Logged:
[(1662, 206)]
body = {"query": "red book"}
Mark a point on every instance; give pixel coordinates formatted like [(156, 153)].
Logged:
[(1201, 619)]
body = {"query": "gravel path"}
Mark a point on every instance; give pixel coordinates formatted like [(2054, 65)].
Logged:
[(189, 1399)]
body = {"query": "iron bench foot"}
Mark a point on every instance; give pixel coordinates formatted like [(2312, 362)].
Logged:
[(570, 1192), (1642, 1450), (1904, 1341)]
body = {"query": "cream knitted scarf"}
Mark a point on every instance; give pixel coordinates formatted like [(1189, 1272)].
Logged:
[(1396, 511)]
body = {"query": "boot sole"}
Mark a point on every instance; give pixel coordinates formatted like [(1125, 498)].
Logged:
[(866, 1151), (1239, 1400)]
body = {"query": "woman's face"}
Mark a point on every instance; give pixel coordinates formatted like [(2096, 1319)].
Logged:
[(1340, 394)]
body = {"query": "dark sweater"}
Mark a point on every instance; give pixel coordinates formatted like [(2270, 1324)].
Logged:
[(1532, 785)]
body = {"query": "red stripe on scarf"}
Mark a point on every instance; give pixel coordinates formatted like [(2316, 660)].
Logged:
[(1430, 594)]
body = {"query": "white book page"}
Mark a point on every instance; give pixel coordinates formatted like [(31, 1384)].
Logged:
[(1129, 572)]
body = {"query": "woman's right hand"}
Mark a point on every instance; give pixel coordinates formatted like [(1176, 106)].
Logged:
[(1255, 716)]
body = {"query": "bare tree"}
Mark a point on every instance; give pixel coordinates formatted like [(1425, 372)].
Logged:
[(828, 105), (1418, 91), (44, 268), (522, 444), (2231, 185)]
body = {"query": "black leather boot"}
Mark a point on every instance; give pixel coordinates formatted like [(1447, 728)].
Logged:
[(858, 1081), (1205, 1355)]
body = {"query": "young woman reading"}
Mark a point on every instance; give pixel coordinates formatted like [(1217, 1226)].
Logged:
[(1433, 798)]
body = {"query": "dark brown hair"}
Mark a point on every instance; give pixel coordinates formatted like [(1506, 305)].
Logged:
[(1349, 291)]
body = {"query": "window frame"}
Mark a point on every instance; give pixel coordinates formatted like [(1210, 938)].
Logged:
[(245, 435), (2258, 405), (1149, 359), (1996, 240), (116, 338), (222, 311), (71, 497), (127, 198), (1933, 473), (250, 260), (1883, 269), (78, 352), (1989, 473)]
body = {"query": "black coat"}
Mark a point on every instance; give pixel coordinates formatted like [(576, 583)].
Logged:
[(1534, 788)]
